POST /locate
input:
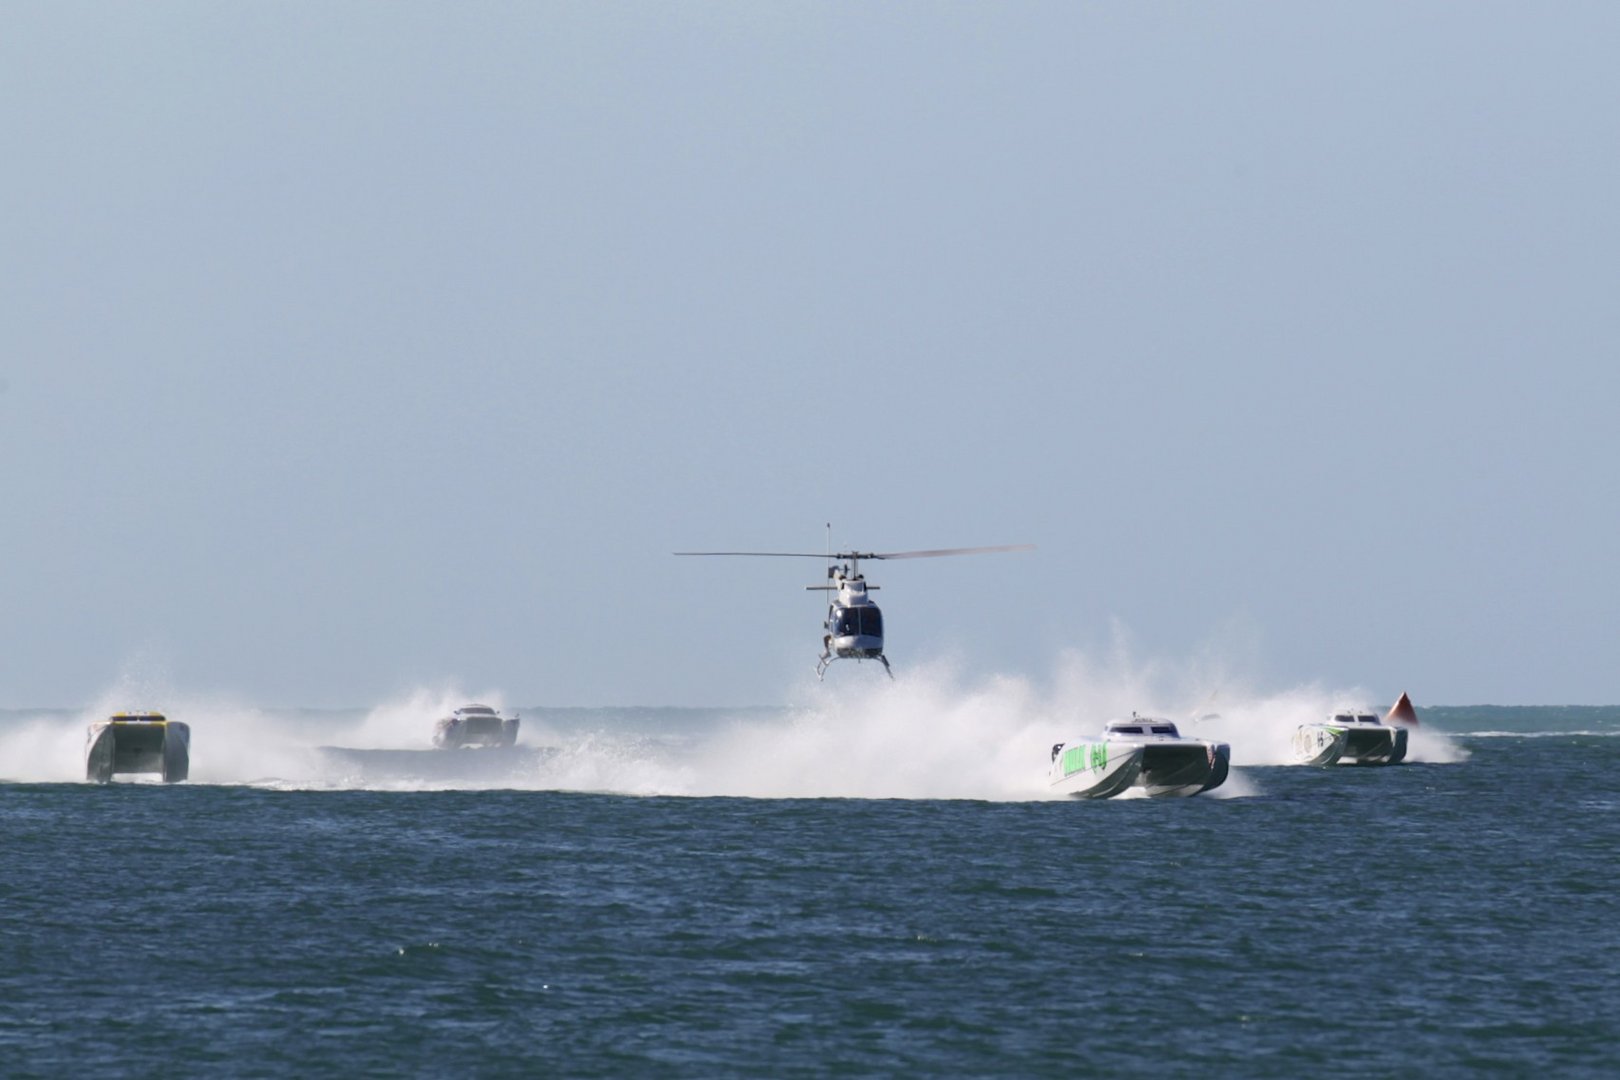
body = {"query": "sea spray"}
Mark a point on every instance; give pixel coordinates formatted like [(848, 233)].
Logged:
[(44, 748), (933, 732), (928, 735)]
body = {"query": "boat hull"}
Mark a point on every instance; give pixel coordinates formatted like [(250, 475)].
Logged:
[(1184, 767), (1369, 744), (1098, 770), (476, 733), (1159, 769), (118, 747), (1319, 744)]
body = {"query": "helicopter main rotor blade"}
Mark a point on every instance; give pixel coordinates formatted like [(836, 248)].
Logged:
[(934, 554), (768, 554), (947, 551)]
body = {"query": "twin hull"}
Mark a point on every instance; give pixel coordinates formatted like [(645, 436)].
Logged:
[(1374, 744), (138, 746), (476, 731), (1101, 770)]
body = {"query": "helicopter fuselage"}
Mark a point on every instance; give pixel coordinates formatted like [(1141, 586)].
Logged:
[(854, 626)]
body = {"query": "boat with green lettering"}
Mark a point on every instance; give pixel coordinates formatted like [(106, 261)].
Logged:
[(1142, 752)]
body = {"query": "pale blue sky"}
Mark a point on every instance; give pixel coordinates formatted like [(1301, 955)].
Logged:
[(350, 348)]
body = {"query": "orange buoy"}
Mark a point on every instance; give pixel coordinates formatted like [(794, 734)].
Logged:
[(1402, 712)]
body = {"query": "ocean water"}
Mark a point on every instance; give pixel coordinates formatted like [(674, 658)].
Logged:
[(748, 892)]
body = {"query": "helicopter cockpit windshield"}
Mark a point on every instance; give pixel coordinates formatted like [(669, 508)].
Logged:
[(866, 621)]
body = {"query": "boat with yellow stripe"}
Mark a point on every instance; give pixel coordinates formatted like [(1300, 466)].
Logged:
[(137, 742)]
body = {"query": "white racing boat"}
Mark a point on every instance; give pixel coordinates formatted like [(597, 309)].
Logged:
[(475, 727), (137, 743), (1140, 752), (1368, 741)]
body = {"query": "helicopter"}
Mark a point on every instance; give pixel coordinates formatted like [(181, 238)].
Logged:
[(853, 629)]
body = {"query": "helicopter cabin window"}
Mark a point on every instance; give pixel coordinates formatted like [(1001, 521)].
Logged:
[(866, 621)]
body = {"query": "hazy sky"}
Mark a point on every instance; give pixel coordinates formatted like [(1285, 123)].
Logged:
[(350, 348)]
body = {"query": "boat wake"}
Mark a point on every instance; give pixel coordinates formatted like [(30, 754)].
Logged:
[(930, 734)]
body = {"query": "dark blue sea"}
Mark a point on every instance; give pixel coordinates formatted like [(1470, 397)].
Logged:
[(1452, 917)]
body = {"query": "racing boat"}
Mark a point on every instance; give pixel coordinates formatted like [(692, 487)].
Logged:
[(475, 727), (1141, 752), (137, 743), (1367, 741), (1320, 744)]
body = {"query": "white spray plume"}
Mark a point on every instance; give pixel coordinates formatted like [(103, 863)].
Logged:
[(930, 733)]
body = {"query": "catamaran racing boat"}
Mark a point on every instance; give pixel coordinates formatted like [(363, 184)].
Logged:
[(475, 727), (1368, 741), (1140, 752), (137, 743)]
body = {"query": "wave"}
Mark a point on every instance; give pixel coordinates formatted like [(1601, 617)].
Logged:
[(1581, 733)]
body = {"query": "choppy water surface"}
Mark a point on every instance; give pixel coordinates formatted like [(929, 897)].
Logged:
[(1440, 919)]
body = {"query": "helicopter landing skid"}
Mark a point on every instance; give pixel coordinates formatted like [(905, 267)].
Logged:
[(824, 661)]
